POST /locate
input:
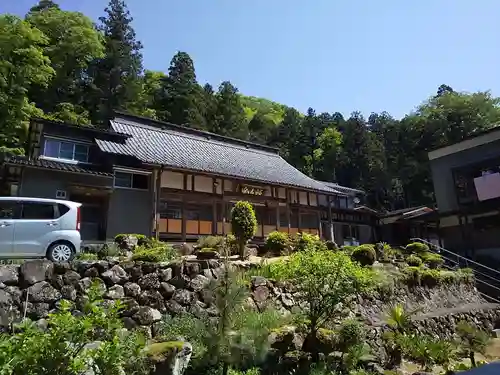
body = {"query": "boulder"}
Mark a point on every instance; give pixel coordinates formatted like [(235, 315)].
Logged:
[(15, 293), (115, 292), (167, 290), (166, 274), (115, 275), (62, 267), (71, 278), (37, 270), (152, 298), (258, 281), (182, 296), (198, 283), (149, 281), (43, 292), (130, 307), (36, 310), (132, 289), (174, 308), (147, 315), (69, 292), (9, 274), (171, 357), (91, 272)]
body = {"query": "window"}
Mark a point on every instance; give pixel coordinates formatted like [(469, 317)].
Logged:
[(55, 148), (350, 231), (131, 180), (7, 209), (38, 211), (170, 210)]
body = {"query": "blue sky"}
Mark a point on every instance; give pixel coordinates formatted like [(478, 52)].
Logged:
[(332, 55)]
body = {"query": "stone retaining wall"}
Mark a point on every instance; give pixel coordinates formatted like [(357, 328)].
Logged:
[(148, 291)]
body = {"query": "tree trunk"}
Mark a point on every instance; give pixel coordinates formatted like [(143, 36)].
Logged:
[(472, 358), (225, 368), (241, 245)]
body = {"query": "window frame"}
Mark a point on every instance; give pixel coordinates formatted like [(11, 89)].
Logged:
[(132, 173), (73, 143), (56, 215)]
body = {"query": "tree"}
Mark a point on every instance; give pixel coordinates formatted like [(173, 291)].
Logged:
[(328, 154), (229, 115), (115, 78), (324, 279), (181, 97), (73, 43), (260, 127), (472, 340), (243, 224), (22, 65), (44, 5)]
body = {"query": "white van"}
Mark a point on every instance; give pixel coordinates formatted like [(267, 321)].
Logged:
[(36, 227)]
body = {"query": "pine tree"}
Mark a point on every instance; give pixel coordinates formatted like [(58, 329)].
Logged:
[(230, 117), (116, 78), (43, 5), (181, 98)]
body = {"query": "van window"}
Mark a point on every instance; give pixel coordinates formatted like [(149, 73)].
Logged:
[(63, 209), (38, 211), (7, 209)]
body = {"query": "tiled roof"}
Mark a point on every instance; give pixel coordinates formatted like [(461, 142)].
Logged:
[(201, 152), (57, 165), (343, 189)]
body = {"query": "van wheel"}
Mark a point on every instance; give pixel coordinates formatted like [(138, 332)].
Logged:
[(61, 252)]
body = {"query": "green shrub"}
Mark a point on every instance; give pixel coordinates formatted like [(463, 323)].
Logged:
[(465, 275), (159, 252), (348, 249), (142, 240), (414, 261), (411, 275), (305, 241), (61, 348), (432, 260), (430, 278), (278, 243), (243, 224), (416, 248), (364, 254), (215, 242), (232, 244), (87, 256)]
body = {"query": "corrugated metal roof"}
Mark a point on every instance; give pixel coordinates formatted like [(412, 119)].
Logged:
[(201, 152), (57, 165)]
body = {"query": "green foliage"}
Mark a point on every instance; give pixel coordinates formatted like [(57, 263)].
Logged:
[(399, 319), (305, 241), (87, 256), (364, 254), (432, 260), (417, 248), (324, 279), (243, 224), (348, 249), (472, 340), (278, 243), (214, 242), (430, 278), (154, 252), (427, 350), (414, 260), (64, 349)]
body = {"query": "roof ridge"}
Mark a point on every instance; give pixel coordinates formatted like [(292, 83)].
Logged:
[(199, 138)]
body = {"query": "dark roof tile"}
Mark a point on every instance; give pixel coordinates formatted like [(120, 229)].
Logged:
[(57, 165), (199, 152)]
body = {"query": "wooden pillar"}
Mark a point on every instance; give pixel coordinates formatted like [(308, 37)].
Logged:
[(157, 197), (214, 217), (320, 230), (330, 222), (183, 215), (299, 219), (288, 208), (278, 217)]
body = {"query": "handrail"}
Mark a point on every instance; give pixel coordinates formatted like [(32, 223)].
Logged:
[(467, 260)]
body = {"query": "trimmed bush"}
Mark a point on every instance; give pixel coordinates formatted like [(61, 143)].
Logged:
[(278, 243), (432, 260), (416, 248), (215, 242), (411, 275), (243, 224), (305, 241), (430, 278), (364, 254), (232, 244), (158, 252), (414, 261)]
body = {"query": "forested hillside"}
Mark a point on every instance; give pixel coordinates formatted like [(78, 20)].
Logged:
[(60, 65)]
